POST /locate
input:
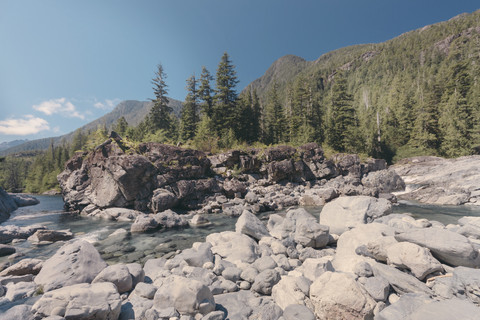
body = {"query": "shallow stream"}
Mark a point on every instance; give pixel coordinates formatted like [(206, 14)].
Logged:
[(139, 247)]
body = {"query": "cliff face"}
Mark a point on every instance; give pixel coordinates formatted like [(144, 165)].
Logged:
[(156, 177), (7, 205)]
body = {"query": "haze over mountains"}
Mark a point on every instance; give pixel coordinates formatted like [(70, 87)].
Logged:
[(420, 57)]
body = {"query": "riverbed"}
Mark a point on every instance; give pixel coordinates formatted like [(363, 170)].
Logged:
[(140, 247)]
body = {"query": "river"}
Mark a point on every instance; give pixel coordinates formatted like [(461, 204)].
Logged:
[(139, 247)]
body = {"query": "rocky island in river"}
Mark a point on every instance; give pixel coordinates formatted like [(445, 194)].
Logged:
[(357, 261)]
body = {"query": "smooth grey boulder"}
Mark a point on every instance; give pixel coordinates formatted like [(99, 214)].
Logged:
[(81, 301), (312, 268), (422, 307), (385, 181), (187, 296), (198, 255), (377, 287), (20, 290), (401, 282), (21, 311), (144, 223), (76, 262), (170, 219), (244, 304), (406, 255), (296, 312), (135, 307), (234, 247), (467, 281), (264, 263), (117, 274), (137, 273), (154, 267), (145, 290), (250, 225), (24, 266), (445, 245), (11, 232), (23, 200), (345, 213), (265, 280), (115, 214), (232, 273), (363, 269), (214, 315), (291, 290), (50, 236), (338, 296)]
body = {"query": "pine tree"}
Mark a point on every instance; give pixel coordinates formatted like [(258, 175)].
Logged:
[(189, 114), (205, 92), (121, 126), (274, 118), (224, 110), (159, 117), (342, 116)]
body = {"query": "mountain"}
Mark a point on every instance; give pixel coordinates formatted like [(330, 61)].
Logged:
[(134, 112), (9, 144)]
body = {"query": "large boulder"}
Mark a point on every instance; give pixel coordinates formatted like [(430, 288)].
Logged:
[(234, 247), (187, 296), (162, 200), (81, 301), (385, 181), (467, 281), (400, 281), (50, 236), (250, 225), (345, 213), (23, 267), (76, 262), (339, 296), (447, 246), (291, 290), (117, 274)]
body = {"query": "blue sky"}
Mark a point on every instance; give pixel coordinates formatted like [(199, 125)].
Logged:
[(64, 63)]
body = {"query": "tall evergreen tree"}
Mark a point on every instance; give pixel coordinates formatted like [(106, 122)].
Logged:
[(159, 117), (342, 116), (189, 114), (274, 118), (224, 110), (121, 126), (205, 93)]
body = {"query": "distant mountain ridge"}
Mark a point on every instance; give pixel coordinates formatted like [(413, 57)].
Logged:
[(133, 111), (10, 144)]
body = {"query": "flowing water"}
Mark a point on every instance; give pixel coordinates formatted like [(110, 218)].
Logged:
[(139, 247)]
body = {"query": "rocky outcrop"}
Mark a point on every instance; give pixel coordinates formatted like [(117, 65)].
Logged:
[(156, 177), (7, 205), (441, 181)]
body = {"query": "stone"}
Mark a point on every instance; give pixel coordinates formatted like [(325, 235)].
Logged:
[(250, 225), (199, 220), (264, 263), (418, 260), (21, 311), (291, 290), (265, 280), (153, 267), (6, 250), (445, 245), (81, 301), (312, 268), (50, 236), (249, 274), (345, 213), (76, 262), (198, 255), (187, 296), (162, 200), (117, 274), (296, 312), (401, 282), (137, 273), (338, 296), (467, 280), (232, 273), (385, 181), (145, 290), (20, 290), (214, 315), (363, 269), (377, 287), (144, 223), (170, 219), (234, 247), (251, 197), (7, 205)]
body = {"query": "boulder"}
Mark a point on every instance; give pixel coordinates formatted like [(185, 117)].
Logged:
[(250, 225), (234, 247), (338, 296), (144, 223), (23, 267), (117, 274), (445, 245), (401, 282), (312, 268), (291, 290), (345, 213), (377, 287), (198, 255), (265, 280), (50, 236), (81, 301), (7, 205), (21, 311), (23, 200), (145, 290), (419, 260), (385, 181), (187, 296), (137, 273), (11, 232), (76, 262), (467, 281), (233, 186), (20, 290), (295, 312), (162, 200), (6, 250), (170, 219)]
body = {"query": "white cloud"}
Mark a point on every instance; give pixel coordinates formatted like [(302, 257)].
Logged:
[(61, 106), (22, 127), (108, 104)]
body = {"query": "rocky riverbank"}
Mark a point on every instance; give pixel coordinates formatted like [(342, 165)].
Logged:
[(10, 202), (441, 181), (370, 264)]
